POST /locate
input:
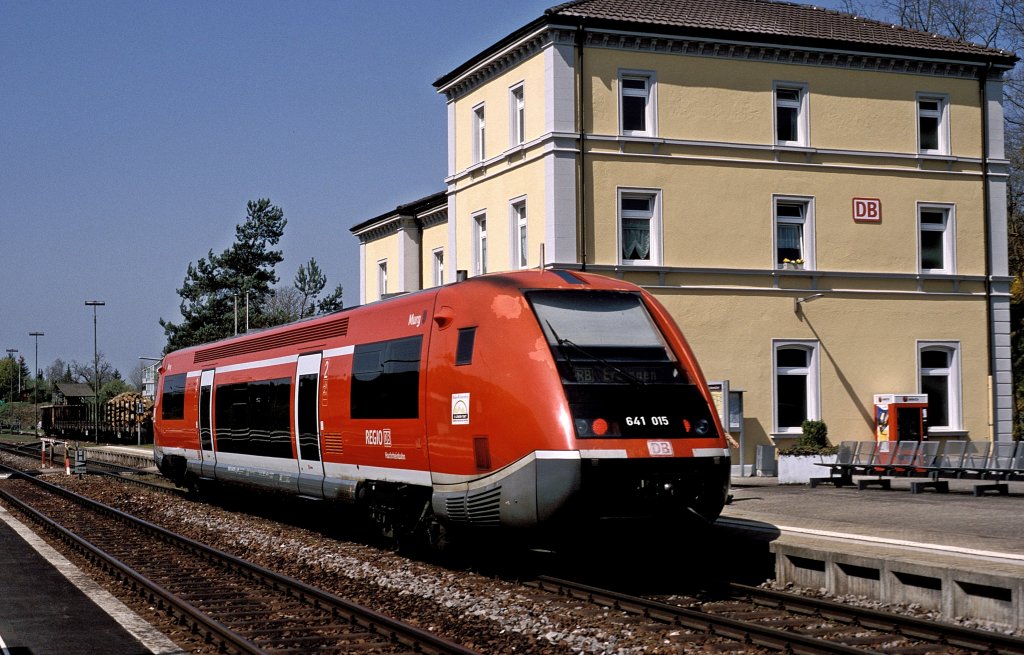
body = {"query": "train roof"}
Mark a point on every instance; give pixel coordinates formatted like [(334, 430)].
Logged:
[(336, 323)]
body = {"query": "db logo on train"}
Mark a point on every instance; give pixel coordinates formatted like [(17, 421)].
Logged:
[(660, 449)]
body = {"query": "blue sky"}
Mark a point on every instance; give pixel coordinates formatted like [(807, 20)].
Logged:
[(132, 133)]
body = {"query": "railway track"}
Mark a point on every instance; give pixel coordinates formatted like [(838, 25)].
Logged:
[(797, 624), (135, 476), (239, 606)]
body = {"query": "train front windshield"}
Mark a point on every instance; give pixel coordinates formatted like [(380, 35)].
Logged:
[(620, 377)]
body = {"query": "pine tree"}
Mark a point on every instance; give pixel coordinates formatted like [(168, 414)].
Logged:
[(214, 283)]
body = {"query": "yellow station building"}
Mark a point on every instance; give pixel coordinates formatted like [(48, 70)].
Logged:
[(819, 199)]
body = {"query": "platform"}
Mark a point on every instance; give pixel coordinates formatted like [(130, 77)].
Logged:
[(49, 606), (956, 553)]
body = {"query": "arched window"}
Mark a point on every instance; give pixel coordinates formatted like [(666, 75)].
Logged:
[(939, 377)]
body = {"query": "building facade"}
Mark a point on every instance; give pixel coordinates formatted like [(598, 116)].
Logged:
[(819, 199)]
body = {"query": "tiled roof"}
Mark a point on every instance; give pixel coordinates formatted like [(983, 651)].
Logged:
[(773, 20)]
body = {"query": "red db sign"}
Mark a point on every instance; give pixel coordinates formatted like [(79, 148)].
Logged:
[(867, 210)]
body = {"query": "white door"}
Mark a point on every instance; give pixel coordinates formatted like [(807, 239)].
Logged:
[(205, 426), (307, 425)]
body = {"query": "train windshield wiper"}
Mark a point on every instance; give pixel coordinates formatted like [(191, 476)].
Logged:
[(562, 343)]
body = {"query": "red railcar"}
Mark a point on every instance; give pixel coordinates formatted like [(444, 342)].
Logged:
[(512, 400)]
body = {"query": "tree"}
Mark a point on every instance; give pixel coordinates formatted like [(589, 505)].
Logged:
[(112, 388), (136, 377), (85, 372), (213, 285), (300, 300), (332, 302), (283, 306), (309, 282), (10, 369)]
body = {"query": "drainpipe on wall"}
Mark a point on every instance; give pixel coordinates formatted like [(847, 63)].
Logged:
[(987, 224), (581, 175)]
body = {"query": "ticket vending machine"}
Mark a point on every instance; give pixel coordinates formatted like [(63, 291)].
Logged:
[(901, 417)]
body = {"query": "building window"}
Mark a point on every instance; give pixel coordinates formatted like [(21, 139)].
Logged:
[(791, 114), (935, 224), (519, 243), (438, 267), (479, 125), (932, 124), (517, 116), (382, 278), (939, 374), (794, 232), (480, 243), (795, 364), (637, 102), (639, 227)]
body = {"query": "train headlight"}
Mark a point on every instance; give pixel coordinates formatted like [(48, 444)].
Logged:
[(702, 426)]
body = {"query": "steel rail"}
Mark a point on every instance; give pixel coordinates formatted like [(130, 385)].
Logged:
[(909, 626), (177, 605), (746, 632), (122, 473), (420, 641)]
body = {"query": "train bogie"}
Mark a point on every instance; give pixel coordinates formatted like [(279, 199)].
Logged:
[(510, 400)]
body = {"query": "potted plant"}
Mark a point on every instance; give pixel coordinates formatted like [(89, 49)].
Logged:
[(797, 463), (792, 264)]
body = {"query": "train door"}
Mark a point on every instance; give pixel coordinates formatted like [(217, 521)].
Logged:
[(208, 454), (307, 425)]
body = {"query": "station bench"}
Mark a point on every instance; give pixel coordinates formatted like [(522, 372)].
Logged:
[(928, 466)]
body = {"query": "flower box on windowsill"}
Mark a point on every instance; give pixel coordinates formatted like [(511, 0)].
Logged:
[(792, 266)]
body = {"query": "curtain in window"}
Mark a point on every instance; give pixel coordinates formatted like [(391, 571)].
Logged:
[(636, 238), (789, 237)]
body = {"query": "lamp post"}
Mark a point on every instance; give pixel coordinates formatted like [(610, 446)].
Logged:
[(96, 364), (35, 384)]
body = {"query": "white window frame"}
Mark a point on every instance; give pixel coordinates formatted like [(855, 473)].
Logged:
[(807, 221), (942, 114), (479, 242), (517, 114), (518, 219), (479, 133), (802, 112), (382, 278), (812, 373), (656, 255), (954, 382), (650, 107), (948, 230), (437, 263)]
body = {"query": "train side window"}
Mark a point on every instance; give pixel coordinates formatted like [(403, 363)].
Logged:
[(386, 379), (252, 418), (464, 351), (172, 402)]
